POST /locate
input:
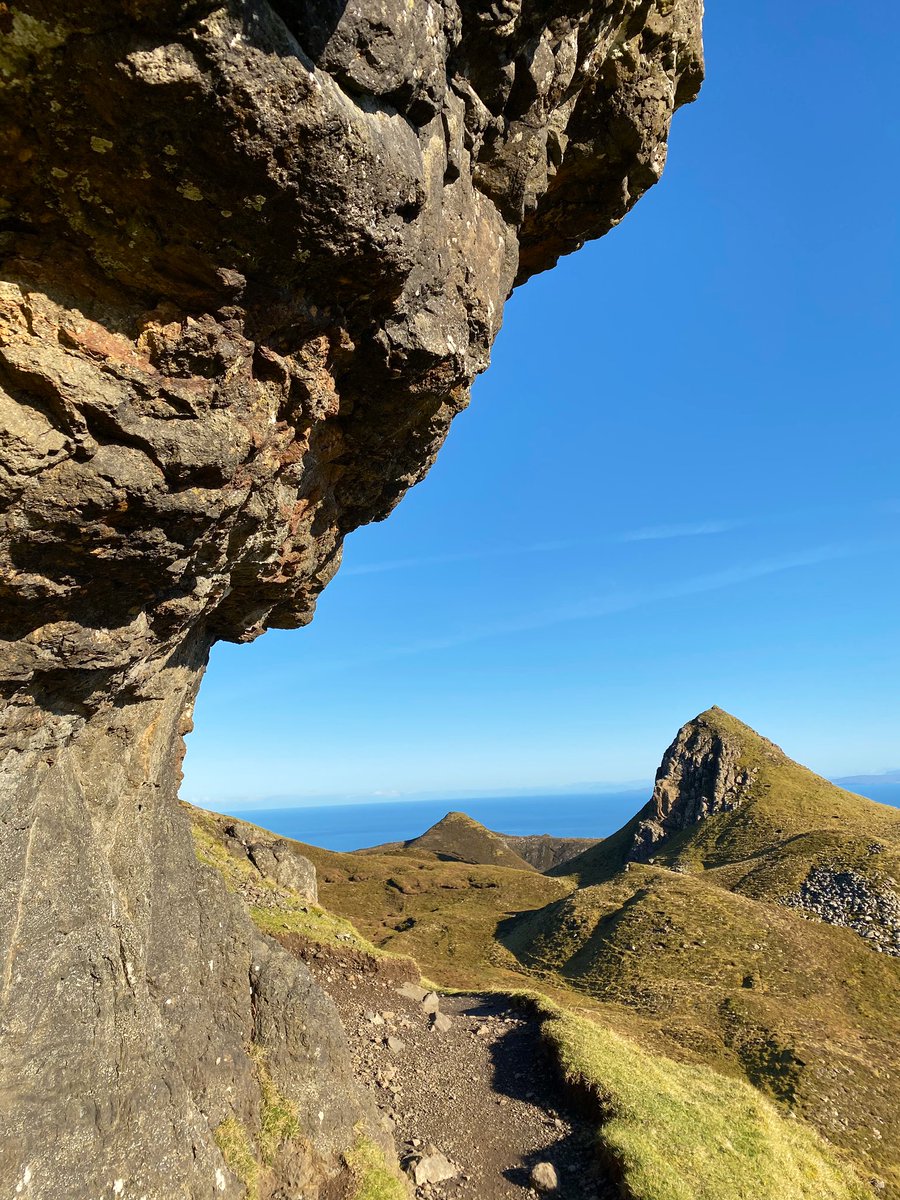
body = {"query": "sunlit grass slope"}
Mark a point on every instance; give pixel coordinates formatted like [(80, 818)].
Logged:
[(668, 1130), (789, 820), (679, 1132)]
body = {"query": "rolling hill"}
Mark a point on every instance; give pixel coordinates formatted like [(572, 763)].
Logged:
[(457, 837), (746, 920), (749, 913)]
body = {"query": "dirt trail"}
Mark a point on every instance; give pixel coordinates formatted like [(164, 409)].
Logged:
[(482, 1092)]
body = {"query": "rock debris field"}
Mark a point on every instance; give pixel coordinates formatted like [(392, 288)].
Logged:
[(467, 1089)]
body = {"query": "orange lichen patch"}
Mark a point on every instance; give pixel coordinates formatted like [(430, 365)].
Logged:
[(99, 343)]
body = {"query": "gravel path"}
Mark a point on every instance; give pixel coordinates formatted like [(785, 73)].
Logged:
[(480, 1091)]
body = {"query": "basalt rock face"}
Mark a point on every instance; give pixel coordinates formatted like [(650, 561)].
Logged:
[(253, 255), (700, 775), (545, 852)]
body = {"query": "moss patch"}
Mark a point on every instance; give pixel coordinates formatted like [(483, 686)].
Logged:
[(278, 1121), (373, 1179)]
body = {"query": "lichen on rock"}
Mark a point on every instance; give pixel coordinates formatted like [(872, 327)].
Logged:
[(253, 256)]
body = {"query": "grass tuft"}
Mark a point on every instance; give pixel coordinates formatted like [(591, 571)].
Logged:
[(237, 1150), (314, 924), (278, 1121), (373, 1179)]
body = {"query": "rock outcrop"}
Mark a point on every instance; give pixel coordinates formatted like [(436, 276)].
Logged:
[(273, 857), (546, 852), (253, 255), (701, 775)]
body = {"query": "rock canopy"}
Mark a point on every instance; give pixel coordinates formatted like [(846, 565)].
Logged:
[(253, 255)]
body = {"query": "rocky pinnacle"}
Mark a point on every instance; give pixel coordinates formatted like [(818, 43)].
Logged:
[(253, 256)]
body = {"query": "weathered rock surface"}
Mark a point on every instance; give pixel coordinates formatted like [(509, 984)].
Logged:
[(274, 858), (253, 255), (544, 851), (700, 775), (432, 1166), (544, 1177)]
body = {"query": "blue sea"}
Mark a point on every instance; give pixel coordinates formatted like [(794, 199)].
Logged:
[(595, 814), (355, 826)]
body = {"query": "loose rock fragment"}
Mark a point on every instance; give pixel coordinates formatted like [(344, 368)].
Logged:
[(432, 1167), (543, 1177)]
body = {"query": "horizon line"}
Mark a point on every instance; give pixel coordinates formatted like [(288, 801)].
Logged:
[(588, 788)]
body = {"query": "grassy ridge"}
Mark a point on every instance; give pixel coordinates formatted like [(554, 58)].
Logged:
[(789, 819), (673, 1130), (699, 950), (805, 1011), (679, 1132)]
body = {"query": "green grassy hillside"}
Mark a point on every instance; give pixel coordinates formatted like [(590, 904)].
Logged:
[(712, 946), (459, 838), (805, 1011), (666, 1130), (695, 954), (789, 819), (669, 1131)]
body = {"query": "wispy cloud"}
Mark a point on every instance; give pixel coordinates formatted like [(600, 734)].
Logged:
[(435, 560), (664, 533), (612, 603), (653, 533)]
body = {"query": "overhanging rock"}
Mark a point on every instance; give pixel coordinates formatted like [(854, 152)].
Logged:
[(253, 256)]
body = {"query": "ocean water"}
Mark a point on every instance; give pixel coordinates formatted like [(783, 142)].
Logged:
[(354, 826)]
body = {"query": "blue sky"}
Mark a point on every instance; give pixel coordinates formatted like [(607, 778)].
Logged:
[(676, 486)]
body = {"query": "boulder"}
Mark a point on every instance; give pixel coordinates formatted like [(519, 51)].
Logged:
[(281, 863), (429, 1168)]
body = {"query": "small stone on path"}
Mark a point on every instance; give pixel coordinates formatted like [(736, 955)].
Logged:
[(431, 1168), (412, 991), (544, 1177)]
